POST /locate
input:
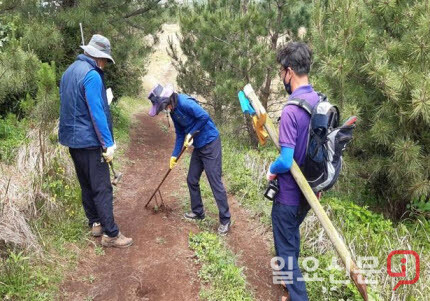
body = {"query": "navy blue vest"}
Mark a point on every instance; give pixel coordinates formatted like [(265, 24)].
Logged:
[(76, 128)]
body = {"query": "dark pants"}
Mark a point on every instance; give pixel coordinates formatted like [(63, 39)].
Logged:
[(286, 221), (94, 178), (209, 159)]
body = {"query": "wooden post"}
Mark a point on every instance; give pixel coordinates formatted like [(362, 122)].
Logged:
[(313, 201)]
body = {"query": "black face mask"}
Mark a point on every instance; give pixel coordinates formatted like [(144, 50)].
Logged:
[(287, 86)]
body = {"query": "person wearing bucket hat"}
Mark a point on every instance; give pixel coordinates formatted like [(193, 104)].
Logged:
[(86, 129), (189, 118), (99, 47)]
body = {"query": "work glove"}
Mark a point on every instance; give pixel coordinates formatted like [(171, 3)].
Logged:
[(188, 141), (173, 162), (108, 153), (270, 176), (109, 95)]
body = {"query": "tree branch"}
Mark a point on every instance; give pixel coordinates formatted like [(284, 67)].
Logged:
[(134, 25), (4, 10), (143, 10)]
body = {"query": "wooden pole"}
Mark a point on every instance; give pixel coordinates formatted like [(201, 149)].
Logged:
[(82, 34), (313, 201)]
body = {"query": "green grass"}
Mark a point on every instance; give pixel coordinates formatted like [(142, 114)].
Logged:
[(61, 230), (222, 279), (60, 225), (22, 280), (12, 135), (122, 112)]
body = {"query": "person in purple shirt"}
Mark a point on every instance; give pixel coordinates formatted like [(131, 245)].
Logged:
[(290, 207)]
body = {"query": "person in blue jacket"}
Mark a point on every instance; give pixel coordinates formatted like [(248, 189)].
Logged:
[(86, 128), (190, 118)]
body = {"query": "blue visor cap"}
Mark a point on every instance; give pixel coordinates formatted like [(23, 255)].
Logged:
[(160, 98)]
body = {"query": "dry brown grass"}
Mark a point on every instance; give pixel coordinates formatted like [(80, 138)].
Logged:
[(21, 188)]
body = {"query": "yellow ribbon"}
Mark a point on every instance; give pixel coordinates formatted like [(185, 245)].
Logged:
[(258, 124)]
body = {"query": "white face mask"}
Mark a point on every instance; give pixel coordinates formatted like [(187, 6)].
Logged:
[(167, 111)]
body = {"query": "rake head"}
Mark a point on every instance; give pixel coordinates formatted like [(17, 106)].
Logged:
[(159, 206)]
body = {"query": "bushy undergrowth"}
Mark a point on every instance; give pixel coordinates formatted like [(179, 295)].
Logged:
[(57, 218), (12, 135), (59, 223)]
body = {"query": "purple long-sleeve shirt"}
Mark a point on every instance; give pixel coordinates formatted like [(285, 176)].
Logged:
[(293, 133)]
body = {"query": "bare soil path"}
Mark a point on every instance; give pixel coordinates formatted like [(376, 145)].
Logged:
[(249, 240), (160, 265)]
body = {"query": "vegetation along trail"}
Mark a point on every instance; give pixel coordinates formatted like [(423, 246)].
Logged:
[(369, 58)]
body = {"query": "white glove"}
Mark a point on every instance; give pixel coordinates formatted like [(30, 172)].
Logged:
[(108, 154), (188, 141), (270, 176), (109, 95)]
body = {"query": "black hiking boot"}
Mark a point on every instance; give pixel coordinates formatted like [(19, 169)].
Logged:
[(193, 216)]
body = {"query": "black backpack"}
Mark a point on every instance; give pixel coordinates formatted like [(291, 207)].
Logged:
[(326, 142)]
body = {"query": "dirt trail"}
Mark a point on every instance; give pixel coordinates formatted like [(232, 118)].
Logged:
[(249, 241), (160, 266)]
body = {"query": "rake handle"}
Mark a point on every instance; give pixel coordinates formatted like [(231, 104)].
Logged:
[(170, 169), (113, 170)]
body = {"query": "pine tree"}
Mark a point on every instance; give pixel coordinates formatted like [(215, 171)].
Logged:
[(125, 23), (373, 59), (227, 44), (49, 31), (17, 78)]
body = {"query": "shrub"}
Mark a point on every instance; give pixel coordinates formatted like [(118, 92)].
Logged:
[(17, 78), (12, 135), (45, 40), (371, 60)]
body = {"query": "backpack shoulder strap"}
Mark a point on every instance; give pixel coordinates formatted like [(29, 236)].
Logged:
[(322, 97), (300, 103)]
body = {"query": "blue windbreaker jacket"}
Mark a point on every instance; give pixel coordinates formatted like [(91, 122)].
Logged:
[(189, 117)]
